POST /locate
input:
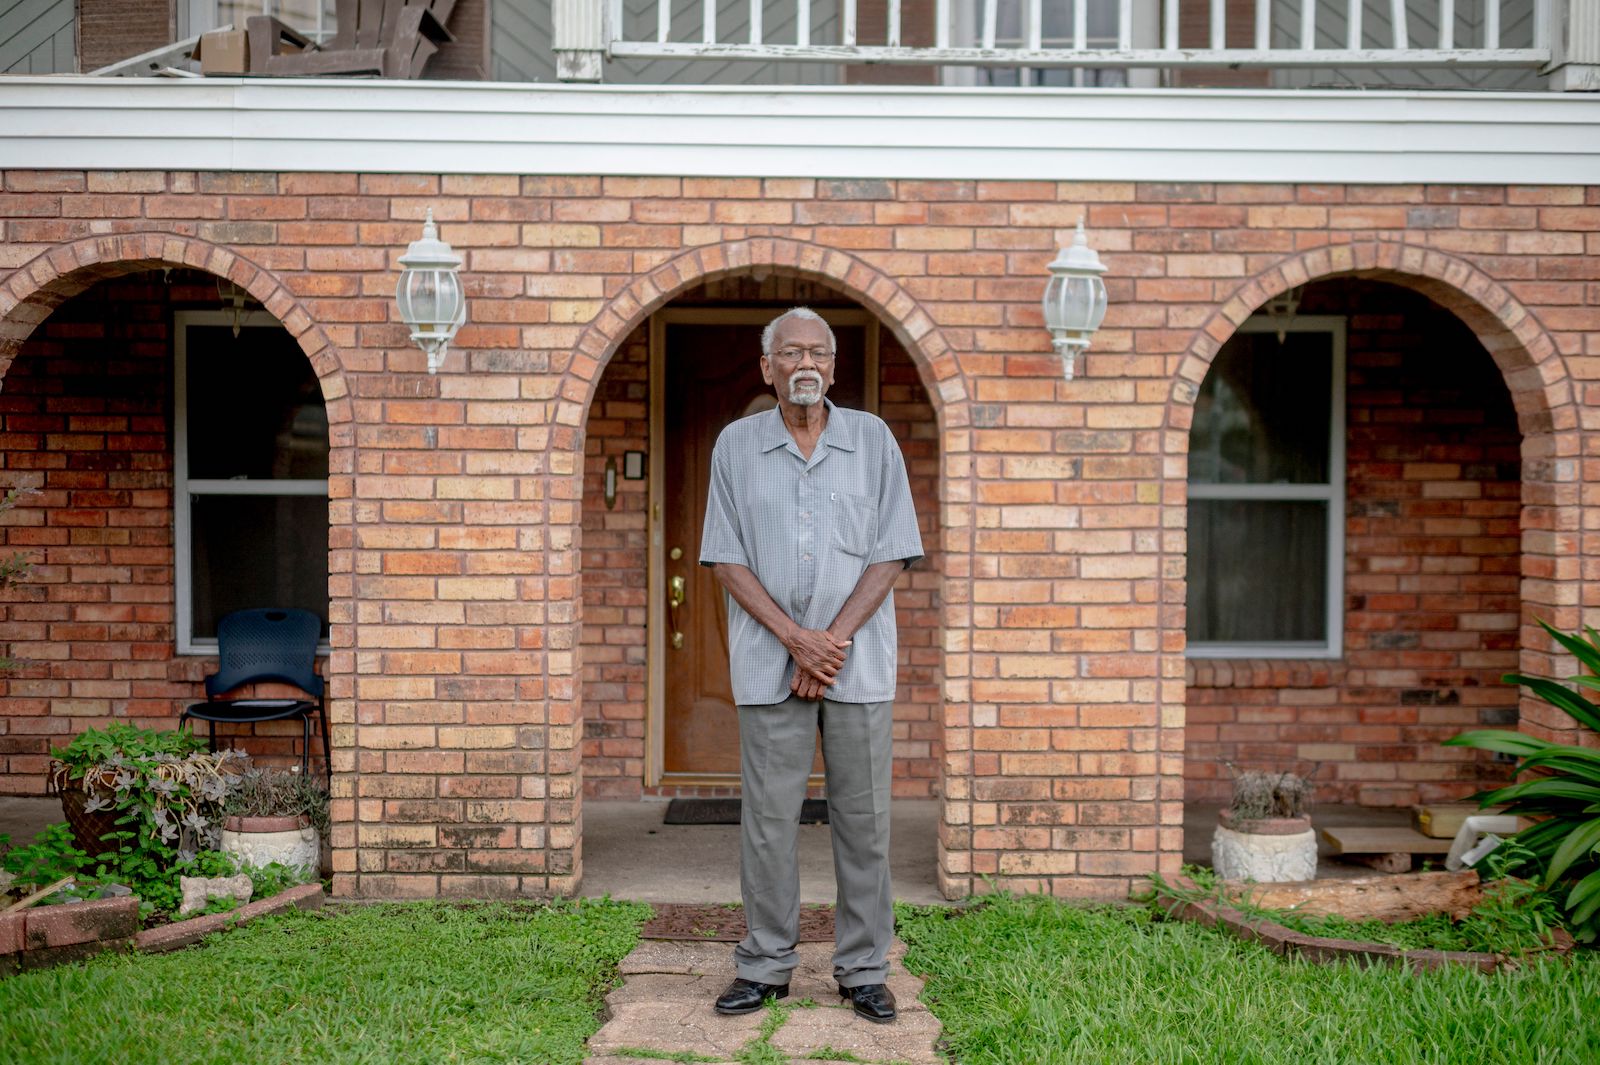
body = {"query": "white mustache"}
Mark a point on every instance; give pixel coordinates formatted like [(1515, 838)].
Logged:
[(805, 397)]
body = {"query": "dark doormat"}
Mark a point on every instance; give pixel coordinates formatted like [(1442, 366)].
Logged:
[(725, 924), (726, 812)]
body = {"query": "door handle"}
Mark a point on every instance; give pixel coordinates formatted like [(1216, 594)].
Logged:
[(676, 595)]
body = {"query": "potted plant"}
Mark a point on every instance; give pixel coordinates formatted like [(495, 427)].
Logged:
[(143, 804), (1265, 834), (275, 815), (160, 786)]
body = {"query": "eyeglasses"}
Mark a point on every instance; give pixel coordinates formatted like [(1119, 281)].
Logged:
[(791, 356)]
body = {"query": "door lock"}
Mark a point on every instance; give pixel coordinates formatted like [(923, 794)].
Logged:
[(676, 595)]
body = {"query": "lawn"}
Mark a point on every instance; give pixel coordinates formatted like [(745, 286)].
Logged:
[(390, 983), (1034, 980)]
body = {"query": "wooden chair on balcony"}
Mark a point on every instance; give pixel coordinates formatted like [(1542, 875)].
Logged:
[(375, 38)]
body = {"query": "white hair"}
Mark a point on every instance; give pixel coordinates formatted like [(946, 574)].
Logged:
[(804, 314)]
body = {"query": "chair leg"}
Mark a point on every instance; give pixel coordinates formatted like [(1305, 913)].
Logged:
[(327, 755), (305, 744), (212, 738)]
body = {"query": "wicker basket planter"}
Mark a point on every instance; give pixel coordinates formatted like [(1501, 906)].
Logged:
[(91, 829)]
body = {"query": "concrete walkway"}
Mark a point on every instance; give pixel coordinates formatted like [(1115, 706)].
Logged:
[(664, 1008)]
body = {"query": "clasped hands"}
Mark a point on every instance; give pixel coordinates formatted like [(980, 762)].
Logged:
[(818, 656)]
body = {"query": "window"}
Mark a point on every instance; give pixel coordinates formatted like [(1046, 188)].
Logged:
[(1266, 495), (1057, 31), (251, 457), (314, 18)]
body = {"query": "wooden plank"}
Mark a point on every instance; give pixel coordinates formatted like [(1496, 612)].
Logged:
[(1442, 820), (1387, 898), (1362, 840), (44, 892)]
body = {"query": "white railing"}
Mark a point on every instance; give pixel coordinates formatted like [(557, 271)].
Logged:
[(1087, 33)]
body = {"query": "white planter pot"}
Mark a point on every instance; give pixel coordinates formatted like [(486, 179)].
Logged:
[(1266, 859), (260, 841)]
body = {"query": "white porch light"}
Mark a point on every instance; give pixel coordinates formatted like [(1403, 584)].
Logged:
[(1074, 300), (429, 294)]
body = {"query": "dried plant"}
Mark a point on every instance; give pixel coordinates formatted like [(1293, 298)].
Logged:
[(1259, 795)]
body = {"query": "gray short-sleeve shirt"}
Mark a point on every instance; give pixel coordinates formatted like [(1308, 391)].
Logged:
[(808, 529)]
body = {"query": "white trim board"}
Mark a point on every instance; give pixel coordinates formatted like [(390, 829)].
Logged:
[(952, 133)]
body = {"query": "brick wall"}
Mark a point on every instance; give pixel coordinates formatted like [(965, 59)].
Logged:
[(456, 498), (113, 30), (86, 420), (1431, 561)]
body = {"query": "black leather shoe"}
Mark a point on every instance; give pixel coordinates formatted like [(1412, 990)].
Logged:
[(746, 996), (875, 1002)]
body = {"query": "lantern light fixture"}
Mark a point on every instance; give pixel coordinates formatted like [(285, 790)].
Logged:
[(1281, 310), (429, 294), (1074, 300)]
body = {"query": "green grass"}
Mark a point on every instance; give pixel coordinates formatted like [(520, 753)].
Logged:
[(1041, 981), (419, 982)]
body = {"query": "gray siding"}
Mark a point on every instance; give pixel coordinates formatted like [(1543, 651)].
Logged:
[(36, 37), (521, 44)]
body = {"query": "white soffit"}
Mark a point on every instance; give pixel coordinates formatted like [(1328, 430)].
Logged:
[(926, 133)]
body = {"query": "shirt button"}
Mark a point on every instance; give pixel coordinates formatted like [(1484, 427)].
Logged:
[(805, 515), (805, 558)]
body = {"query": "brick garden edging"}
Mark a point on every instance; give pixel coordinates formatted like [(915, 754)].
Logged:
[(183, 933), (1285, 941), (50, 935)]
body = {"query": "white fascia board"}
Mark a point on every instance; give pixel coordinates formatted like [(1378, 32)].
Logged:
[(832, 132)]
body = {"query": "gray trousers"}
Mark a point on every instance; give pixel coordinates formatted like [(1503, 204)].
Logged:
[(776, 747)]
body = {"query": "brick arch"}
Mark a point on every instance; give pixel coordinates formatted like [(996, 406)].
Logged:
[(1528, 359), (34, 290), (1535, 376), (949, 394), (38, 287), (897, 309)]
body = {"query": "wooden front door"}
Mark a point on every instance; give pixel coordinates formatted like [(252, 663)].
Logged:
[(710, 375)]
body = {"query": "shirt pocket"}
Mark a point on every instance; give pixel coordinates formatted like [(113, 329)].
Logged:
[(855, 524)]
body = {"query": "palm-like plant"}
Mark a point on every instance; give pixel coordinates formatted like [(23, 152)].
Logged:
[(1564, 796)]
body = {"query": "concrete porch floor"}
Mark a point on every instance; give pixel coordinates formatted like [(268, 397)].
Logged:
[(629, 854)]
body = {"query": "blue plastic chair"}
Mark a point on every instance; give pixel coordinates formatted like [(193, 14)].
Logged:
[(254, 646)]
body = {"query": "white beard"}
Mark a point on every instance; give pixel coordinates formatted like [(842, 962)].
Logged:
[(805, 397)]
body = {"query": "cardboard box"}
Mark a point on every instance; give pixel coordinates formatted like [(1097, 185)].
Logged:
[(223, 52)]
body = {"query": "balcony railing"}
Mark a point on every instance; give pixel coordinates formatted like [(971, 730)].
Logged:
[(1543, 35)]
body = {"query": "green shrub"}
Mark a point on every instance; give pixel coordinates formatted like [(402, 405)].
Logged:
[(52, 856), (1563, 789)]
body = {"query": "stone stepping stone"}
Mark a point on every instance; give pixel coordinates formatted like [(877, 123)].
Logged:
[(911, 1038), (665, 1005)]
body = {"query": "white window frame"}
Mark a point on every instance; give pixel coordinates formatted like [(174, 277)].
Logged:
[(1332, 492), (200, 16), (184, 488)]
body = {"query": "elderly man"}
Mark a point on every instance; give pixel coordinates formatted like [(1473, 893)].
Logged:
[(808, 524)]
